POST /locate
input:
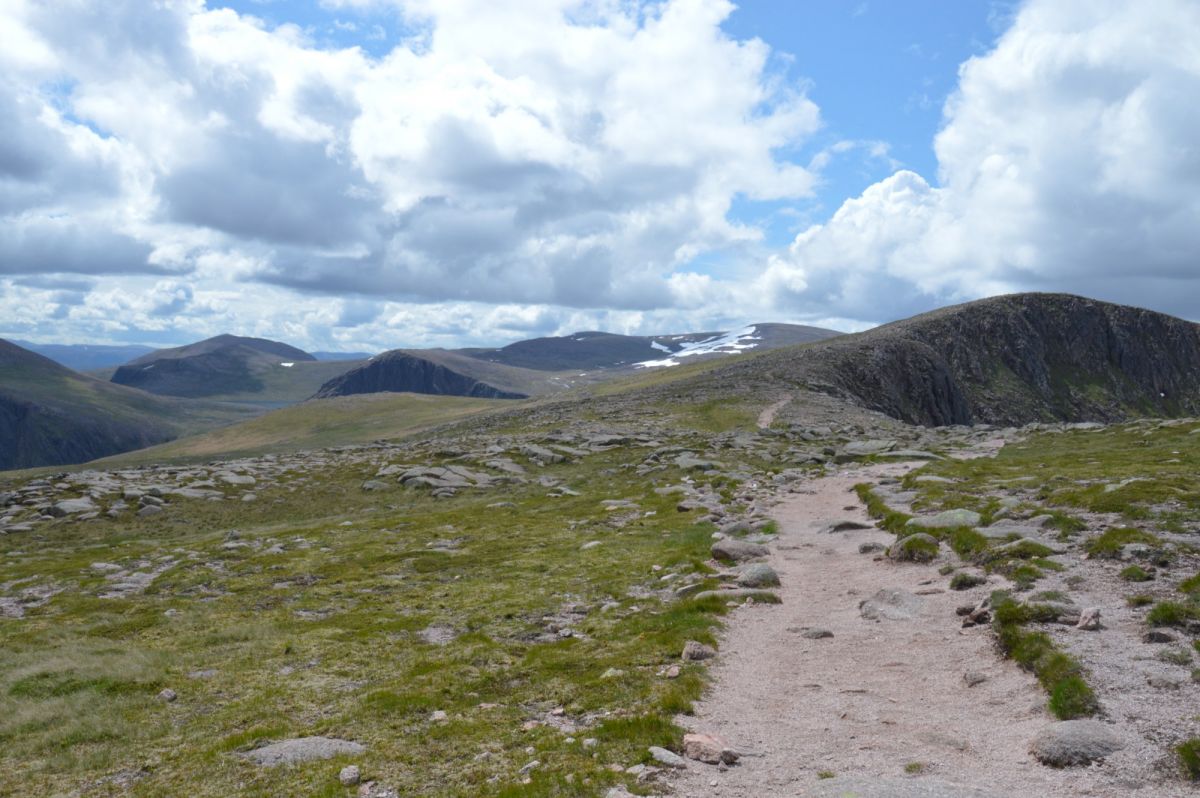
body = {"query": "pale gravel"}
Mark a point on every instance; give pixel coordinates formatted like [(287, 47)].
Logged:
[(878, 695)]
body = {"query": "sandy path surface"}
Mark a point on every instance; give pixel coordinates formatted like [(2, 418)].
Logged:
[(876, 696), (767, 416)]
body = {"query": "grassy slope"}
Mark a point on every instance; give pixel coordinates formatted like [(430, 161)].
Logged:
[(319, 423), (78, 677)]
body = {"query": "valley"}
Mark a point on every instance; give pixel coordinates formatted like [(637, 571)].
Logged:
[(736, 577)]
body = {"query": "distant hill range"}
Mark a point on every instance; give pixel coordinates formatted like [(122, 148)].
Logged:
[(51, 415), (86, 357), (231, 368), (546, 365), (1006, 360)]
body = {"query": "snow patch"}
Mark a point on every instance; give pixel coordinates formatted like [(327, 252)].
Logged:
[(660, 347), (287, 365), (725, 344)]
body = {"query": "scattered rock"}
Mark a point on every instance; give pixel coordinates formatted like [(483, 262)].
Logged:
[(708, 748), (891, 604), (1089, 620), (973, 678), (1158, 636), (350, 775), (815, 633), (737, 550), (843, 526), (695, 651), (1075, 742), (302, 749), (664, 757), (870, 548), (168, 695), (758, 575)]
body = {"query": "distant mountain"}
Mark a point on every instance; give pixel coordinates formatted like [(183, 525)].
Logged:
[(334, 356), (548, 365), (400, 371), (1005, 360), (600, 350), (85, 357), (51, 415), (225, 366)]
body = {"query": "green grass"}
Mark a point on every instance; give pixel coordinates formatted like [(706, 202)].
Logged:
[(1058, 673), (966, 581), (312, 425), (312, 627), (1108, 545), (889, 519), (1172, 613), (1136, 573), (1189, 758)]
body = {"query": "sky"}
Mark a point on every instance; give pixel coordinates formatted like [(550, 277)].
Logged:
[(370, 174)]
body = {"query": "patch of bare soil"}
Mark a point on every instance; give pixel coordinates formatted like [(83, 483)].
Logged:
[(883, 702), (767, 416)]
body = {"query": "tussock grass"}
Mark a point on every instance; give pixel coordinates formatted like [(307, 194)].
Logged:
[(1058, 673)]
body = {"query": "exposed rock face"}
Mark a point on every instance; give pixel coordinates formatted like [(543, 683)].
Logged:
[(400, 371), (1008, 360)]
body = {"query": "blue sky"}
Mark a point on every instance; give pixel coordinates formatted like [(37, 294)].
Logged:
[(879, 71), (370, 174)]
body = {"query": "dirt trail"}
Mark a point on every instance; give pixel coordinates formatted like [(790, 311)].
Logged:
[(876, 696), (767, 416)]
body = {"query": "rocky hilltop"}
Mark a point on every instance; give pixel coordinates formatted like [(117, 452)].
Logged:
[(402, 371), (1006, 360), (225, 364)]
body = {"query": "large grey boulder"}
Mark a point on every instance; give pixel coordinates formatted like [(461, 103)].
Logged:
[(73, 506), (737, 550), (1075, 742), (302, 749)]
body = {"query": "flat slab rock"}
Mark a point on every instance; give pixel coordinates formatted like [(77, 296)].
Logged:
[(302, 749), (891, 604), (1075, 742), (856, 787), (946, 520)]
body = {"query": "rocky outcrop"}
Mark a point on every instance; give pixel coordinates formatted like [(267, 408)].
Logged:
[(1007, 360), (399, 371)]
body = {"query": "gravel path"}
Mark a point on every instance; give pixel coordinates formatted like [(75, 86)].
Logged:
[(879, 695), (767, 416)]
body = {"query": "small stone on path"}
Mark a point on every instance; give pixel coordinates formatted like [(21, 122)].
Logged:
[(664, 757)]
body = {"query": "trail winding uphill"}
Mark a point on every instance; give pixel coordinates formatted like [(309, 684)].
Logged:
[(822, 701)]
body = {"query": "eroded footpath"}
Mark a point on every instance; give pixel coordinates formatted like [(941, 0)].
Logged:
[(904, 703)]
